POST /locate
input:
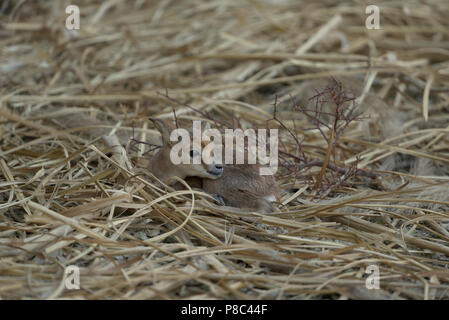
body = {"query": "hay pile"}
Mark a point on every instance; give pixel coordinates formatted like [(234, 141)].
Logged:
[(69, 198)]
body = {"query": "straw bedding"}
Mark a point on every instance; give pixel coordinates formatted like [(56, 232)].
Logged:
[(73, 184)]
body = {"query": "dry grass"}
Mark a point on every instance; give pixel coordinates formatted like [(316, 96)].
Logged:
[(66, 198)]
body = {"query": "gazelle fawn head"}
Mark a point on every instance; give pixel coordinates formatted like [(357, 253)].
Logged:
[(163, 168)]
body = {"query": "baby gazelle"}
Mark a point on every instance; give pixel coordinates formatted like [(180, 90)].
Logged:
[(236, 185)]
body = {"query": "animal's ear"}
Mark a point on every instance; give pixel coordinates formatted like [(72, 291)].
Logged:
[(165, 128)]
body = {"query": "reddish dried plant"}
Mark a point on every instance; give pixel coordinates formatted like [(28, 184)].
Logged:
[(332, 110)]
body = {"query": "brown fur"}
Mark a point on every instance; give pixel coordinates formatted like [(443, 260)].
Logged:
[(242, 186), (239, 186), (162, 167)]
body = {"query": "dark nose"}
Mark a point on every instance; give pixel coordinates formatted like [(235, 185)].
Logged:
[(219, 169)]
